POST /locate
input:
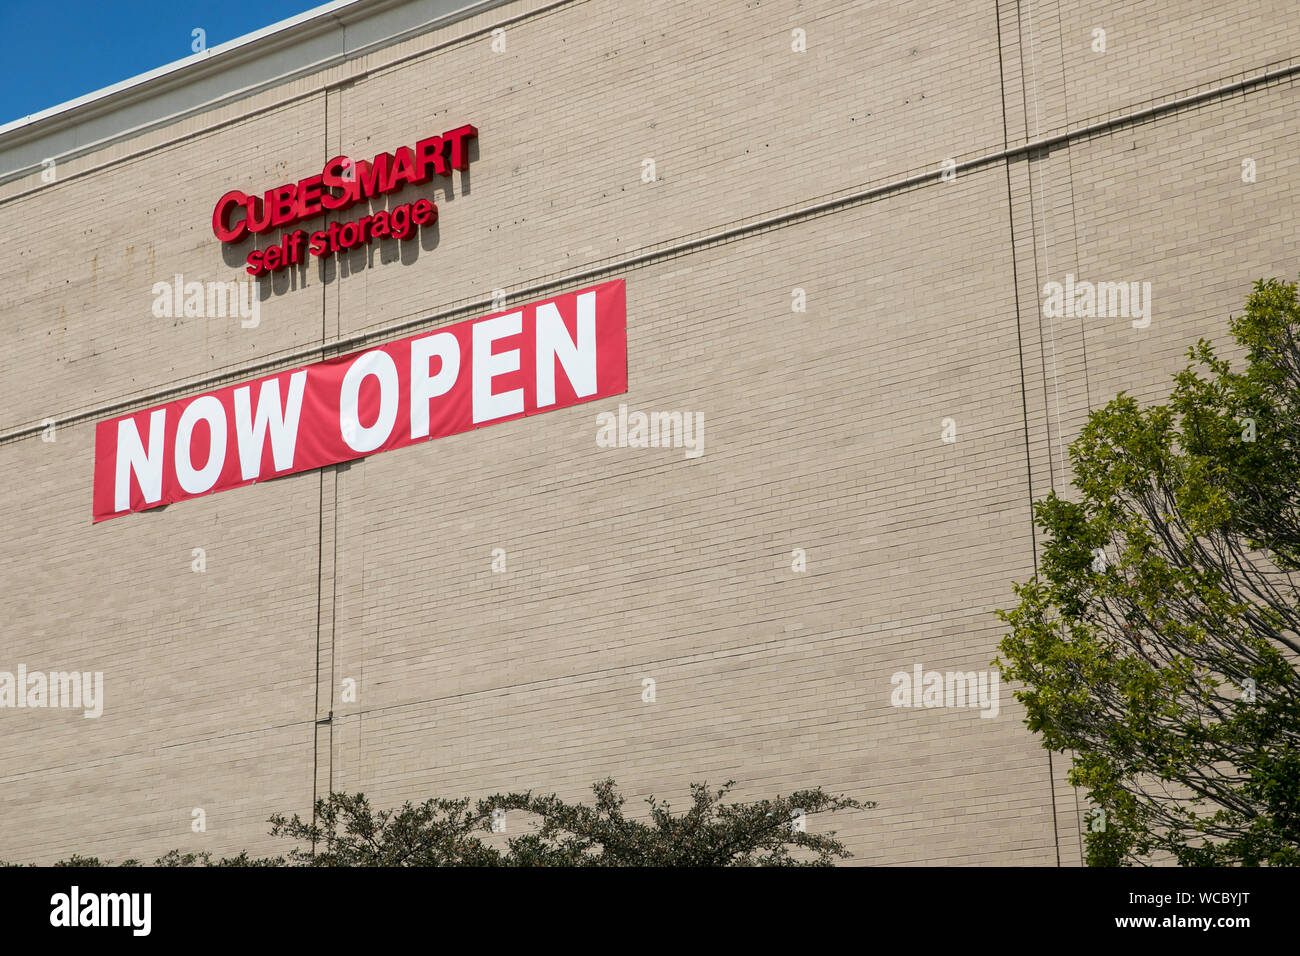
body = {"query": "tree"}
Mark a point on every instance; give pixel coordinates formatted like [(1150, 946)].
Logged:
[(1159, 639), (346, 831)]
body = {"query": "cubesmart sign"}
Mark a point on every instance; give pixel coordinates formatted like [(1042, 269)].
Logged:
[(542, 356)]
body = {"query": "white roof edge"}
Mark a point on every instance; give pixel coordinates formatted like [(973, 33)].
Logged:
[(176, 66), (288, 50)]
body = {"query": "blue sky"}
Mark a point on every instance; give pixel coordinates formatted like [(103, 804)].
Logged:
[(58, 51)]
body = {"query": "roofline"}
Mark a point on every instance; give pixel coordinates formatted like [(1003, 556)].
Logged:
[(271, 56), (144, 81)]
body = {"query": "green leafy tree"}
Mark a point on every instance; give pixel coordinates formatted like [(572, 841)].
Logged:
[(1158, 641), (346, 831)]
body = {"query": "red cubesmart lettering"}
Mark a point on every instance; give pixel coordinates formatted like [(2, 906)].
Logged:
[(341, 183)]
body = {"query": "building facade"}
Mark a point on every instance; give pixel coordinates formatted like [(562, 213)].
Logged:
[(836, 227)]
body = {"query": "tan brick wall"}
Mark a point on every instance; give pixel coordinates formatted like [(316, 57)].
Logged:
[(822, 430)]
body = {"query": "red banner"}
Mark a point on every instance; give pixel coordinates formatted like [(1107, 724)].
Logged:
[(546, 355)]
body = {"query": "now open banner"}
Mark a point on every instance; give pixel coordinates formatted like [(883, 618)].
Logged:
[(538, 357)]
